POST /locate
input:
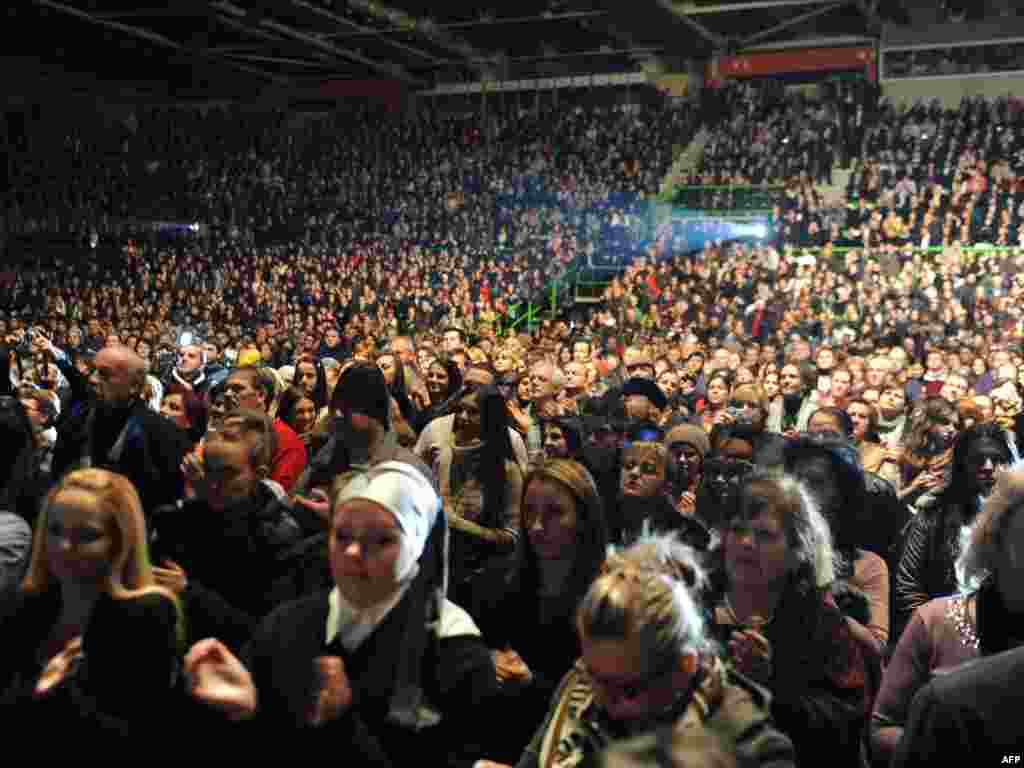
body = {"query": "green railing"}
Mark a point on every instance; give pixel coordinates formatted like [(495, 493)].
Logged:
[(738, 198)]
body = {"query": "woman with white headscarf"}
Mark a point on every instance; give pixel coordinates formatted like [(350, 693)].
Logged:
[(381, 663)]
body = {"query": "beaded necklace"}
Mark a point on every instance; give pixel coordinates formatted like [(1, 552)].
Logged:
[(959, 614)]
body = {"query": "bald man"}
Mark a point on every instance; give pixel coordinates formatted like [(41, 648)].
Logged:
[(117, 431)]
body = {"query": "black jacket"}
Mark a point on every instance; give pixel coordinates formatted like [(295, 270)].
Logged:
[(930, 550), (151, 457), (232, 559), (969, 713)]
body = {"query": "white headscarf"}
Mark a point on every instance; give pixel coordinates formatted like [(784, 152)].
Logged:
[(405, 493)]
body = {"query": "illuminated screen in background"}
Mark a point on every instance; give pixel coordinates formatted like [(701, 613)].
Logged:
[(692, 229)]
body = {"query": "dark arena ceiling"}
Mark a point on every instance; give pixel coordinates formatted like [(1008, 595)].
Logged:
[(236, 48)]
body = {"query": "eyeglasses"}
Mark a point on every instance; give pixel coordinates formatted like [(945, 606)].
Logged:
[(625, 689)]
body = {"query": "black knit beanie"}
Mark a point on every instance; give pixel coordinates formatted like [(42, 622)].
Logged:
[(363, 390)]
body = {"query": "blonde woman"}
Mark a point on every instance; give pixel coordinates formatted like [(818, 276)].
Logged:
[(88, 590), (647, 665)]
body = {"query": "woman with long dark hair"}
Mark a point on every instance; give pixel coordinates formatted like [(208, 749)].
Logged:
[(933, 541), (527, 612), (443, 379), (480, 483)]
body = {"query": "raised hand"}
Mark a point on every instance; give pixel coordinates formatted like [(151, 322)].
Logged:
[(218, 679)]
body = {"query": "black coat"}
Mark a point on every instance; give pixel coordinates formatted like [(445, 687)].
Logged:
[(153, 451), (970, 715), (232, 559), (460, 682), (103, 695)]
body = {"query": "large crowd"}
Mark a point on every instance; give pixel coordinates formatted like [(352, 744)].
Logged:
[(297, 471)]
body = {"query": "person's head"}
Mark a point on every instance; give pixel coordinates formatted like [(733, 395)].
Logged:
[(954, 387), (452, 340), (790, 380), (877, 371), (668, 382), (841, 382), (892, 402), (717, 389), (771, 385), (562, 438), (360, 402), (642, 399), (829, 467), (186, 409), (864, 418), (306, 376), (575, 376), (638, 363), (934, 362), (641, 631), (119, 376), (443, 379), (405, 348), (825, 359), (932, 426), (581, 351), (296, 410), (979, 453), (986, 410), (776, 533), (645, 471), (91, 532), (830, 421), (546, 381), (380, 525), (249, 388), (238, 456), (996, 545), (749, 405), (562, 514), (191, 358), (331, 337), (687, 445)]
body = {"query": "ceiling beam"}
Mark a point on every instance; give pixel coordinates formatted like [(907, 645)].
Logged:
[(486, 22), (424, 28), (365, 31), (796, 20), (690, 9), (153, 37), (693, 24), (277, 60), (391, 70)]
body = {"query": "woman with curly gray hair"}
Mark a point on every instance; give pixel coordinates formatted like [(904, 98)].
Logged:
[(648, 665), (774, 611), (986, 617)]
